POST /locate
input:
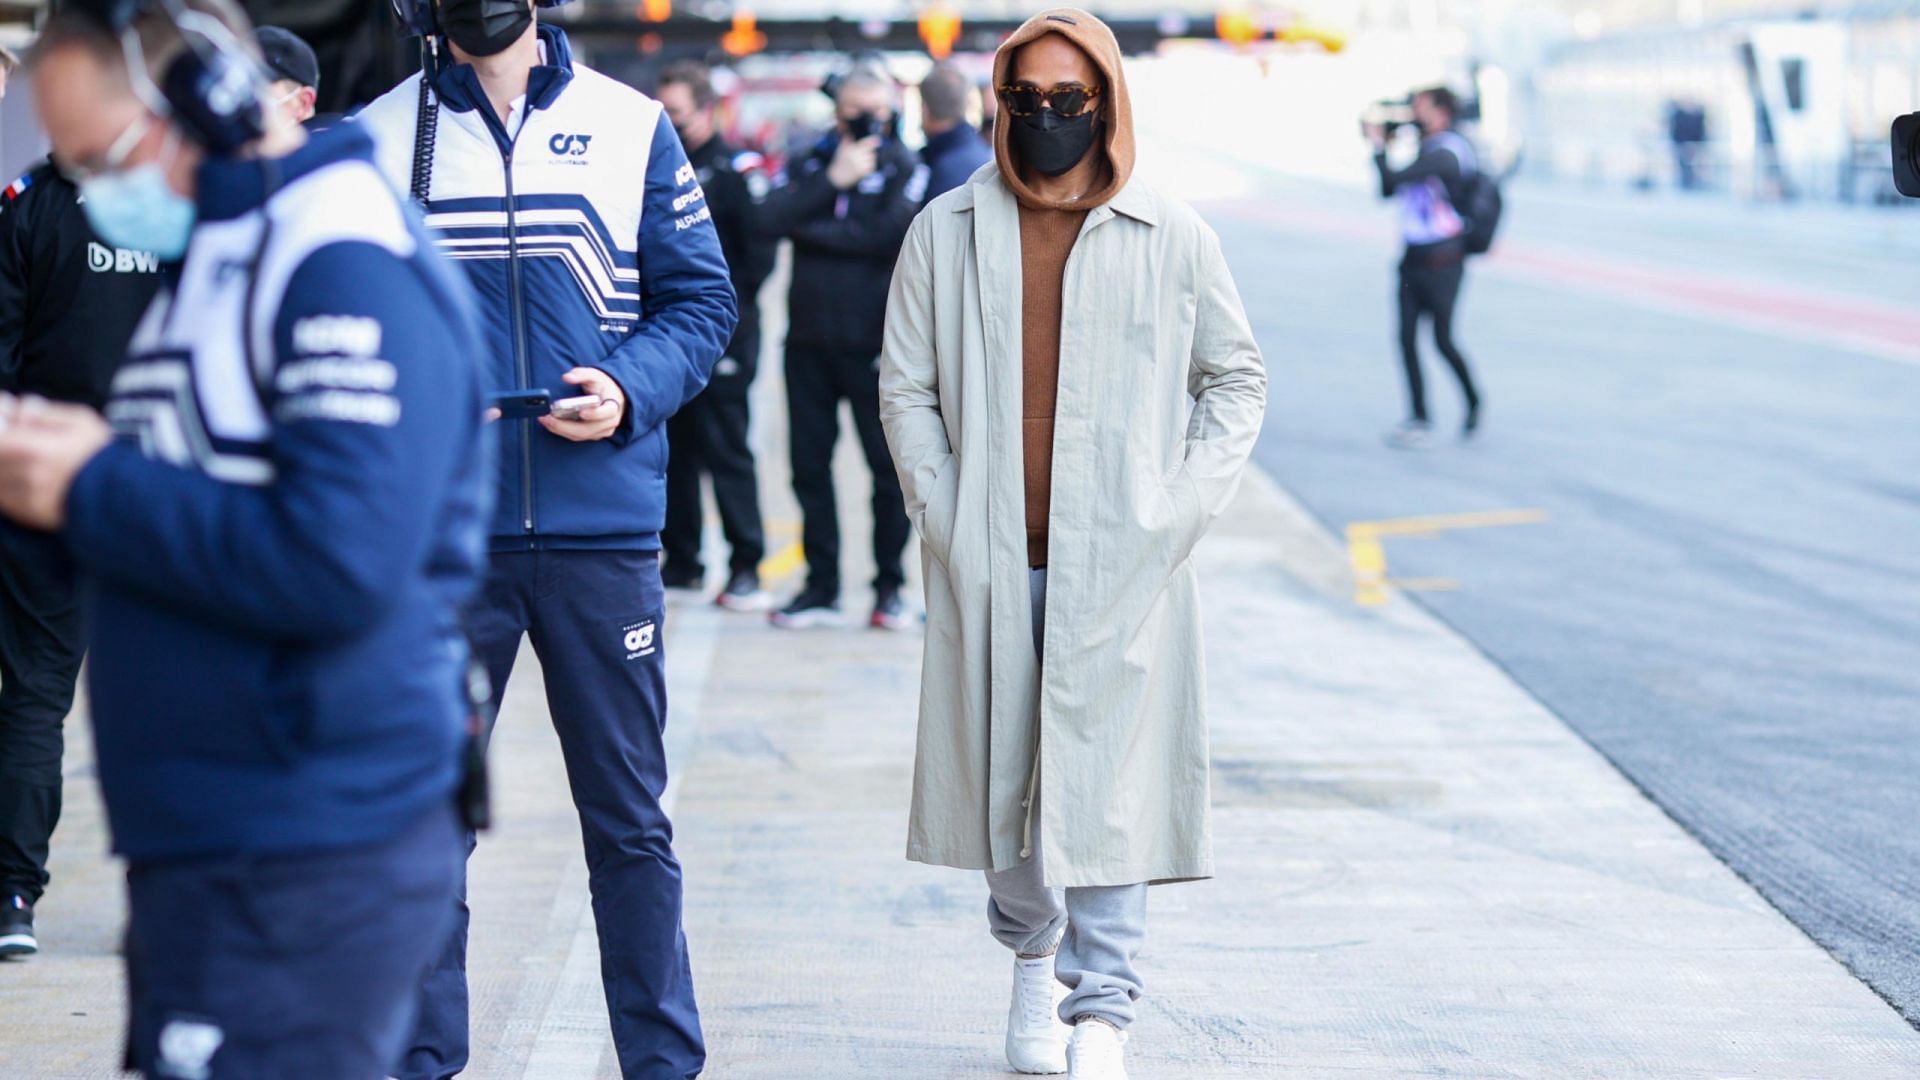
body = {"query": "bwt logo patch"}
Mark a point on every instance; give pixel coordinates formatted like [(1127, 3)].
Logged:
[(569, 145), (640, 639), (101, 259)]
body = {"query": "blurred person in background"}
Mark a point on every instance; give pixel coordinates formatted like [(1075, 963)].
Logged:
[(846, 206), (954, 150), (709, 434), (293, 68), (1429, 192), (1063, 741), (1687, 131), (583, 228), (68, 305), (989, 109), (277, 531)]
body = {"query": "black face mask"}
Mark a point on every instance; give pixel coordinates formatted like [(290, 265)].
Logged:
[(484, 27), (1049, 143)]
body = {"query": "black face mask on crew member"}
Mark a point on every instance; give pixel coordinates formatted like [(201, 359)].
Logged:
[(1049, 143), (484, 27)]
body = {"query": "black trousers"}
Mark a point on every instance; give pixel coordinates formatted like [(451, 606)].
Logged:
[(1429, 288), (41, 644), (709, 436), (817, 380)]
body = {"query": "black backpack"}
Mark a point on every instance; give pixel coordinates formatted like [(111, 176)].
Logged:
[(1480, 208), (1476, 197)]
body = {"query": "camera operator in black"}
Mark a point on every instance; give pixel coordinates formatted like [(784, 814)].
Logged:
[(709, 434), (1430, 192), (68, 305), (846, 207)]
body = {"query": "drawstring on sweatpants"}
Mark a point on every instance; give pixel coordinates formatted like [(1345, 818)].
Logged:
[(1033, 784)]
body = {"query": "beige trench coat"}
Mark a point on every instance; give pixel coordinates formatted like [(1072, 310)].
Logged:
[(1117, 710)]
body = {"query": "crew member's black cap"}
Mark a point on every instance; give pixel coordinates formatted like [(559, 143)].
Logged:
[(287, 56)]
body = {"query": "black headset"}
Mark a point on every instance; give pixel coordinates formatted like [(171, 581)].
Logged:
[(213, 90)]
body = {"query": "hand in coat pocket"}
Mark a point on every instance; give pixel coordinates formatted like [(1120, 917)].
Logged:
[(942, 506), (1186, 519)]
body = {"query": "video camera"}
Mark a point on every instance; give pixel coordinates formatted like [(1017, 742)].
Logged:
[(1396, 114), (1906, 155)]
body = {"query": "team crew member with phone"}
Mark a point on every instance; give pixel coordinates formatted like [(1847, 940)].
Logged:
[(572, 206), (277, 545)]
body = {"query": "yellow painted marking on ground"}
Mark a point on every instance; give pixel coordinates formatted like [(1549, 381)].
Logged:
[(1368, 556), (783, 562), (1438, 523)]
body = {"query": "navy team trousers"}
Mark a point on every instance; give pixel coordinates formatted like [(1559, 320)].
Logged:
[(595, 620), (243, 967)]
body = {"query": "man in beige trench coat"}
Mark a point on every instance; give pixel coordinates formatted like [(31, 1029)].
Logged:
[(1070, 389)]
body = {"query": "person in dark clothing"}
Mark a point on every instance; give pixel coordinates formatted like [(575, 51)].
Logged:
[(1687, 129), (294, 69), (709, 434), (1434, 262), (846, 206), (68, 306), (954, 150)]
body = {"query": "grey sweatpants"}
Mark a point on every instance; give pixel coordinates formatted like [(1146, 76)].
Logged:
[(1094, 932)]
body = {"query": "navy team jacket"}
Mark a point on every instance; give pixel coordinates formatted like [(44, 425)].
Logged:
[(277, 544), (589, 243)]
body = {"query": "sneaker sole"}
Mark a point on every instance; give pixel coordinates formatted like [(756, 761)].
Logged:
[(756, 602), (18, 945), (890, 623), (808, 620)]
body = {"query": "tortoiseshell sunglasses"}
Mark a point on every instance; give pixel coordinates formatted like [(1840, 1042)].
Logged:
[(1068, 99)]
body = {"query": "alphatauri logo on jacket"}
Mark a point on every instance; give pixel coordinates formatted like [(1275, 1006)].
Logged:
[(569, 145)]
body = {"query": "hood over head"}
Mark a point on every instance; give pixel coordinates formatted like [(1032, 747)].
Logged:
[(1115, 140)]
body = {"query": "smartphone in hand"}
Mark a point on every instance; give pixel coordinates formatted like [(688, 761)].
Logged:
[(571, 408), (521, 404)]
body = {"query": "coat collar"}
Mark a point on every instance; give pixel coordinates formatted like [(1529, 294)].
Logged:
[(1135, 200)]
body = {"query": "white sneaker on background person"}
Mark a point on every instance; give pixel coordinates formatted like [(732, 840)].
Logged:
[(743, 593), (1410, 435), (1036, 1038), (1097, 1052)]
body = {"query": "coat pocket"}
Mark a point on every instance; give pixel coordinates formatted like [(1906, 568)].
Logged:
[(943, 505), (1186, 518)]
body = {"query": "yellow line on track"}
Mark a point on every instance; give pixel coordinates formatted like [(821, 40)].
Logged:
[(783, 562), (1368, 556)]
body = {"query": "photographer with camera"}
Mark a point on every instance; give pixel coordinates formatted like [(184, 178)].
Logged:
[(1432, 191), (846, 207)]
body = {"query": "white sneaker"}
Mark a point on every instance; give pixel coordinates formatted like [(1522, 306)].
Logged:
[(1410, 435), (1097, 1052), (1036, 1039)]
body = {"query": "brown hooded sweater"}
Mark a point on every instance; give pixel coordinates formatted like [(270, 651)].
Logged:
[(1048, 229)]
